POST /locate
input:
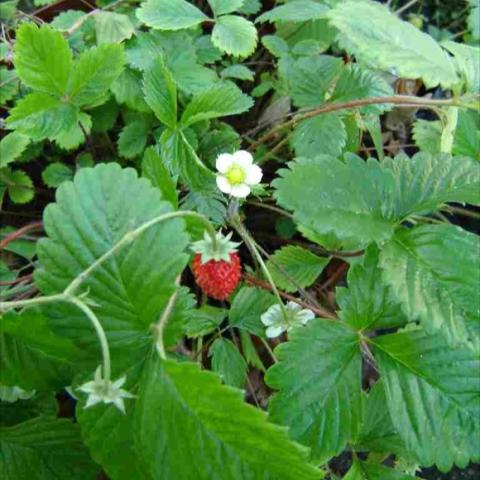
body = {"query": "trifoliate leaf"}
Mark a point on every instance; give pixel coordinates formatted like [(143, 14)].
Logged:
[(41, 116), (319, 381), (170, 14), (432, 396), (371, 471), (323, 134), (221, 7), (228, 363), (133, 139), (364, 201), (219, 101), (295, 267), (12, 146), (380, 39), (43, 59), (112, 27), (161, 93), (432, 285), (131, 289), (95, 71), (44, 448), (368, 303), (299, 11), (235, 35), (181, 396), (56, 173)]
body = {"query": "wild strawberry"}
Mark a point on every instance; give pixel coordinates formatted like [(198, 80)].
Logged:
[(216, 266)]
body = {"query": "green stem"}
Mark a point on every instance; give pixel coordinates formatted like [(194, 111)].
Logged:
[(448, 134), (5, 306)]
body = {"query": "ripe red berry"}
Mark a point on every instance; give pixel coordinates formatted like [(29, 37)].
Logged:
[(217, 279)]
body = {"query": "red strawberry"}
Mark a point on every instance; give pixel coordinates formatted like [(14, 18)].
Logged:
[(217, 278)]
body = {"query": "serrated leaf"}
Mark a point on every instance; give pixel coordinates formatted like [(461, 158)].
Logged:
[(12, 146), (240, 72), (219, 101), (220, 7), (133, 139), (8, 84), (19, 185), (95, 71), (427, 135), (367, 303), (170, 14), (235, 35), (247, 307), (161, 93), (466, 60), (132, 288), (432, 285), (371, 471), (380, 39), (127, 90), (319, 381), (432, 396), (379, 194), (72, 138), (41, 116), (228, 363), (250, 7), (276, 45), (34, 358), (43, 59), (210, 203), (44, 448), (56, 173), (323, 134), (111, 27), (154, 168), (356, 83), (467, 134), (295, 267), (298, 11), (204, 320), (180, 395), (104, 116)]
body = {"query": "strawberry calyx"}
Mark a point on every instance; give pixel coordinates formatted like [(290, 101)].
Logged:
[(217, 249)]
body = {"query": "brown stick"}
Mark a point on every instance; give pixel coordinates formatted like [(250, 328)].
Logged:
[(17, 280), (18, 233)]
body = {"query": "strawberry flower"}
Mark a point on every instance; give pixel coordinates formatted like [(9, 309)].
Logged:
[(237, 173), (278, 321)]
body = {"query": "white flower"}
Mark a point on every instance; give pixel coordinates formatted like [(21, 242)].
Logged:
[(12, 394), (277, 322), (237, 173), (100, 390)]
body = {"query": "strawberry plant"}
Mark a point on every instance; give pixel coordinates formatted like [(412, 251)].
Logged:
[(239, 240)]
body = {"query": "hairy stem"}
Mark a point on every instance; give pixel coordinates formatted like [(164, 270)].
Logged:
[(162, 323)]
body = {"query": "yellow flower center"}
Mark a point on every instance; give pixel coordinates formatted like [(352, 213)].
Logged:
[(235, 175)]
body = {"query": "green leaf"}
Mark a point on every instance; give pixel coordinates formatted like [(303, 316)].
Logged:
[(210, 203), (370, 471), (292, 267), (9, 84), (250, 7), (432, 395), (228, 363), (467, 134), (44, 448), (357, 83), (131, 289), (220, 7), (323, 134), (427, 135), (276, 45), (95, 71), (104, 116), (19, 185), (380, 39), (42, 58), (433, 286), (319, 381), (204, 320), (127, 90), (72, 138), (247, 307), (32, 356), (112, 27), (41, 116), (368, 303), (379, 194), (170, 14), (181, 397), (241, 72), (133, 138), (235, 35), (161, 93), (12, 146), (218, 101), (298, 11), (466, 60), (56, 173), (154, 168)]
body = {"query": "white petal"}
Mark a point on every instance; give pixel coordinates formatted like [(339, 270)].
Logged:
[(242, 158), (305, 316), (89, 387), (224, 162), (271, 315), (223, 184), (93, 400), (274, 331), (118, 383), (118, 402), (241, 191), (254, 175)]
